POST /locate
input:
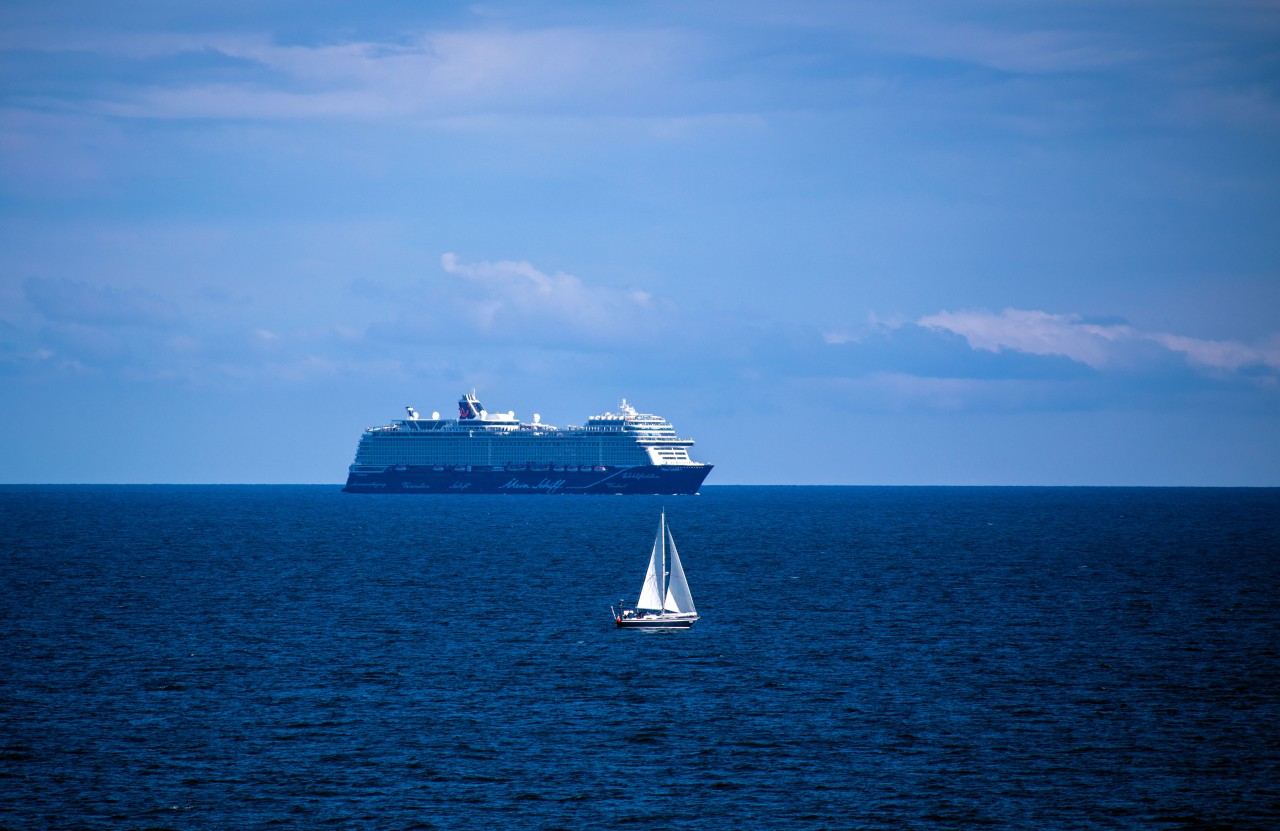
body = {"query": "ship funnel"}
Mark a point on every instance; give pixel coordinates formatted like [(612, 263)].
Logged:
[(413, 414)]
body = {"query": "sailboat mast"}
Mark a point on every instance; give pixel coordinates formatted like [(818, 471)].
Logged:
[(662, 584)]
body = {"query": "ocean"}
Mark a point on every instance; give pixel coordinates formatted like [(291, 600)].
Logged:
[(255, 657)]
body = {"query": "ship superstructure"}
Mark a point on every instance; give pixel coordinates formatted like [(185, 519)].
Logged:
[(484, 452)]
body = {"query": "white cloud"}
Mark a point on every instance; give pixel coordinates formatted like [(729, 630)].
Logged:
[(513, 297), (1220, 354), (1100, 346), (1039, 333), (875, 325)]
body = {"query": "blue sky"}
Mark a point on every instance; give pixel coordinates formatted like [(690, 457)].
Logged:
[(833, 242)]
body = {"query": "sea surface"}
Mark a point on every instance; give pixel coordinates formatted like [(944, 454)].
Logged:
[(868, 658)]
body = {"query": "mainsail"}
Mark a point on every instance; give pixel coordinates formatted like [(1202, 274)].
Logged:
[(651, 593)]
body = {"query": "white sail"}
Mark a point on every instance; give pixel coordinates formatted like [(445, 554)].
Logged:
[(678, 597), (651, 592)]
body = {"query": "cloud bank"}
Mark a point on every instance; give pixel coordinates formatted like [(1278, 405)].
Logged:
[(74, 301), (1101, 346), (662, 63), (1021, 359), (430, 73)]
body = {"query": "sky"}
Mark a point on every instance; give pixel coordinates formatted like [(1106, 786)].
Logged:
[(907, 243)]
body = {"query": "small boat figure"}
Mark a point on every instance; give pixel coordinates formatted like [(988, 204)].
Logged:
[(665, 601)]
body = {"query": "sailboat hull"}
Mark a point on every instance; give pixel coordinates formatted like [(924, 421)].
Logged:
[(656, 622)]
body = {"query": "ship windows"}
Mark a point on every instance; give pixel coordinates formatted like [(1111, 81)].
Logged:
[(418, 447)]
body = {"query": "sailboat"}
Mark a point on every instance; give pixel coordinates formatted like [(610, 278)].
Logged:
[(665, 601)]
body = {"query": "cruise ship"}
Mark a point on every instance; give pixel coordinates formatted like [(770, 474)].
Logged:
[(626, 452)]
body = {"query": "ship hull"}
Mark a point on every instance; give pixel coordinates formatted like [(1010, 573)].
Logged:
[(647, 479), (655, 622)]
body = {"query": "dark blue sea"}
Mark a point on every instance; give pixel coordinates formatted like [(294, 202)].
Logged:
[(868, 658)]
